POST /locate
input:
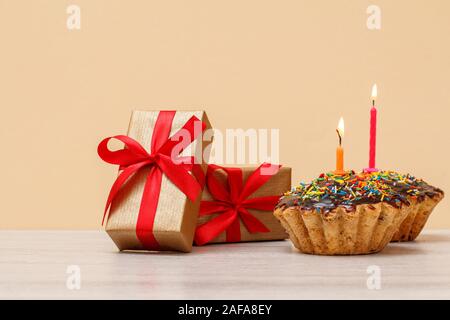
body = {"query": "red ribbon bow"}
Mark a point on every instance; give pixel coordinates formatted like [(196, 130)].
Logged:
[(134, 157), (232, 203)]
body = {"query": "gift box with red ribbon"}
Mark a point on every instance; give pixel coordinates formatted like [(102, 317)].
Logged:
[(237, 204), (154, 202)]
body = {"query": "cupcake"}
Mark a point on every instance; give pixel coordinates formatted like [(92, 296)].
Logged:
[(343, 214), (419, 195)]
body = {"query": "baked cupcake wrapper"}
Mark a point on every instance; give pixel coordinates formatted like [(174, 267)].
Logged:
[(367, 229), (416, 218)]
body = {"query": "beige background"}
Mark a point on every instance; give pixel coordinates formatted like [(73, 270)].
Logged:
[(293, 65)]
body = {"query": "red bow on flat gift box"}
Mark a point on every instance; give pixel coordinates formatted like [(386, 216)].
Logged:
[(160, 161), (232, 202)]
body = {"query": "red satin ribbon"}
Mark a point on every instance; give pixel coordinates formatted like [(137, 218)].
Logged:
[(232, 203), (134, 157)]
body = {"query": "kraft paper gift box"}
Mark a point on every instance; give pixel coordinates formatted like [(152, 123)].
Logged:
[(237, 204), (154, 202)]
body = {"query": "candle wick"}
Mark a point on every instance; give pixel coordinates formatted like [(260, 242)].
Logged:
[(340, 138), (373, 103)]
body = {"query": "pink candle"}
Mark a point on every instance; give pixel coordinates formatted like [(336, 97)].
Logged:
[(373, 137), (373, 132)]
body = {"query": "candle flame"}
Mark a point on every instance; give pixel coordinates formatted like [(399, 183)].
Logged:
[(340, 127), (374, 91)]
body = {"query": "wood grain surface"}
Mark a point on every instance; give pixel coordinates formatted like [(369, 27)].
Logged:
[(34, 264)]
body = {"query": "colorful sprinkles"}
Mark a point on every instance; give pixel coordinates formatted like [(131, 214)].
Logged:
[(329, 190)]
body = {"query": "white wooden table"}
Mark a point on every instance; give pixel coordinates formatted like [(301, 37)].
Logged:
[(33, 264)]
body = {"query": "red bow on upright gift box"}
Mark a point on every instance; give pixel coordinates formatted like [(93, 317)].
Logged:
[(232, 202), (160, 161)]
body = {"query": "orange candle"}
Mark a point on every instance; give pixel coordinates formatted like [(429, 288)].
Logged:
[(340, 149)]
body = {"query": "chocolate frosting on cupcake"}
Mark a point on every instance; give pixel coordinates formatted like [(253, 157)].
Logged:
[(330, 191)]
